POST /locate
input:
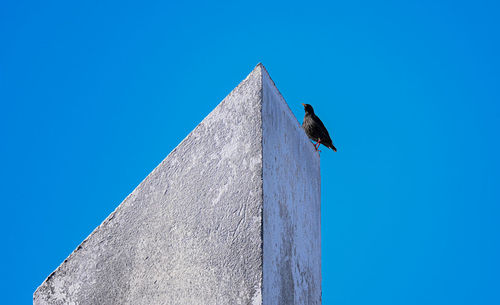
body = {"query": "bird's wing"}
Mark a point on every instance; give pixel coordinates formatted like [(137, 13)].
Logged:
[(325, 136)]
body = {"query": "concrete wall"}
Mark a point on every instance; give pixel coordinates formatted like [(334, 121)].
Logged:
[(231, 216), (292, 206)]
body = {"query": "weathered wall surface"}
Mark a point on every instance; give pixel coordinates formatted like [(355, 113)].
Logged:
[(190, 233), (231, 216), (292, 205)]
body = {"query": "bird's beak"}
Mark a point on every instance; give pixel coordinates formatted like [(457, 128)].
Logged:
[(304, 105)]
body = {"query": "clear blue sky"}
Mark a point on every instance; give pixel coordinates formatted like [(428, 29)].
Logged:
[(95, 94)]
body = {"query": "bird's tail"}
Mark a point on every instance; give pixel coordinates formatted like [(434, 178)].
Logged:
[(333, 147)]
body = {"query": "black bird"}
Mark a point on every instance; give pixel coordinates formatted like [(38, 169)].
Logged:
[(315, 129)]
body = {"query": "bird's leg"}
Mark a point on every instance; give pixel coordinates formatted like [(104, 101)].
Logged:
[(319, 142), (316, 145)]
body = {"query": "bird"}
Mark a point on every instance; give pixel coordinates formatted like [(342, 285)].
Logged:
[(315, 129)]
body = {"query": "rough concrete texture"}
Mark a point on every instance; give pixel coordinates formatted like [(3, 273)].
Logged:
[(292, 206), (231, 216)]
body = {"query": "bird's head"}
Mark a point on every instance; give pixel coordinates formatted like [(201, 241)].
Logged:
[(308, 108)]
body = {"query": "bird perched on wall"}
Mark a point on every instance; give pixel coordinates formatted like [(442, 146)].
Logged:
[(315, 129)]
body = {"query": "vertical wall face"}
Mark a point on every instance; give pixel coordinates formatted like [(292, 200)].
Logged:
[(292, 229), (231, 216), (190, 233)]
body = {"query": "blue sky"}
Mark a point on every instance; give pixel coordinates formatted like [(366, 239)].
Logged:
[(95, 94)]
